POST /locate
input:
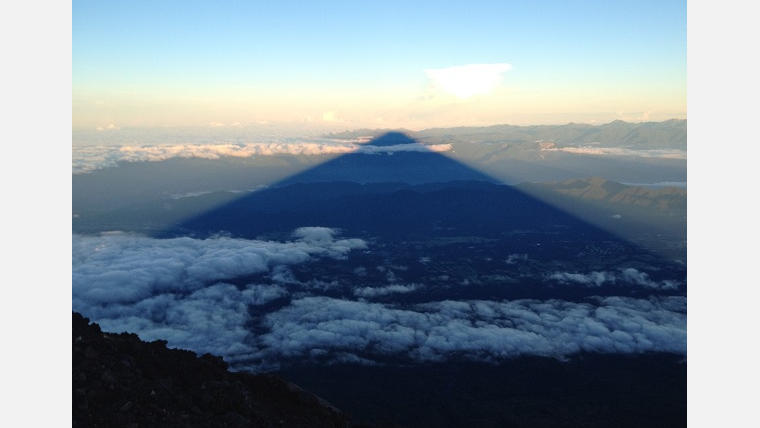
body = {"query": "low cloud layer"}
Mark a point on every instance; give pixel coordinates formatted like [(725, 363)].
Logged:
[(89, 158), (93, 157), (188, 292), (616, 151)]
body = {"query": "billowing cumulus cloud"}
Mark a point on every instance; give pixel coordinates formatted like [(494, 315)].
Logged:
[(468, 80), (480, 330), (123, 269), (595, 279), (188, 292), (314, 234), (642, 278)]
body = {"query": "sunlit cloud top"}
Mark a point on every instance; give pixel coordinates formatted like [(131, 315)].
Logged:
[(465, 81), (90, 158)]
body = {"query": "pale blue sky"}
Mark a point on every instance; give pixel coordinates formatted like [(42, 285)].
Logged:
[(357, 63)]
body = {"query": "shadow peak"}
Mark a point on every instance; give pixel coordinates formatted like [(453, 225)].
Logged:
[(392, 138)]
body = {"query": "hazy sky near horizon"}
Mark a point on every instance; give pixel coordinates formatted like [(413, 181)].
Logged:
[(353, 64)]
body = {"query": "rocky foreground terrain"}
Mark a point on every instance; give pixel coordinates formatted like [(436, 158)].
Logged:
[(121, 381)]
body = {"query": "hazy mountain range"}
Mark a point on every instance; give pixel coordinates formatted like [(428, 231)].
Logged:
[(670, 134)]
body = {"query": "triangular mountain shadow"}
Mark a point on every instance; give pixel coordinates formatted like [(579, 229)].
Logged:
[(395, 188), (391, 157), (392, 185)]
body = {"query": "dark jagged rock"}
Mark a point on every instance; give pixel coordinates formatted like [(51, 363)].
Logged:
[(120, 381)]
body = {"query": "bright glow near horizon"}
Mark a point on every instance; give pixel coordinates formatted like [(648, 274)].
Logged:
[(347, 65)]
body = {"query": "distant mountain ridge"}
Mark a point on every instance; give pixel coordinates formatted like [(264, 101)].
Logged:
[(599, 189), (670, 134), (628, 210)]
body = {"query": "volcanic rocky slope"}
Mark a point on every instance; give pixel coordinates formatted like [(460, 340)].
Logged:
[(121, 381)]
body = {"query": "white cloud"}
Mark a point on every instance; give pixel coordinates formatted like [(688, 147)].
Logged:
[(183, 290), (122, 268), (370, 292), (644, 116), (624, 276), (90, 158), (109, 127), (314, 234), (481, 330), (188, 194), (370, 149), (617, 151), (593, 279), (468, 80), (515, 258), (642, 278)]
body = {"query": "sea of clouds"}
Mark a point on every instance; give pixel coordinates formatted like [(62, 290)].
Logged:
[(181, 290)]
